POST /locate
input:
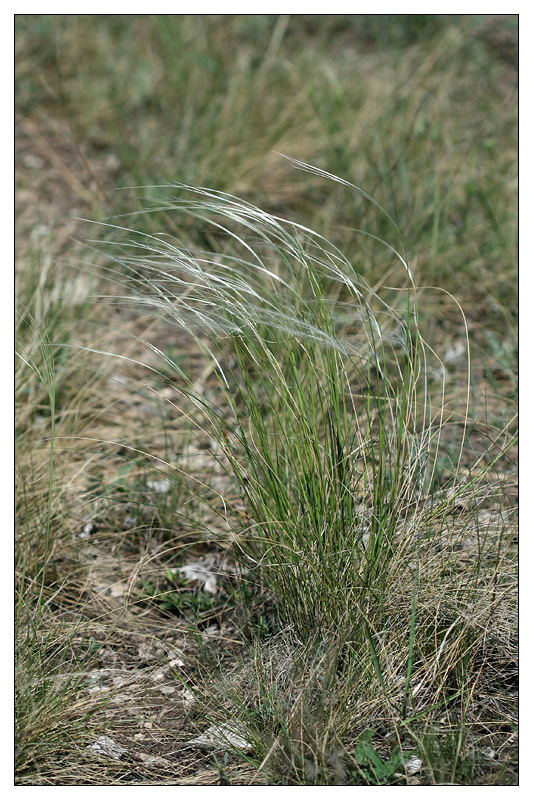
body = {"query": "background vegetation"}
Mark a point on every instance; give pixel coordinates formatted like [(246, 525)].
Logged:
[(149, 600)]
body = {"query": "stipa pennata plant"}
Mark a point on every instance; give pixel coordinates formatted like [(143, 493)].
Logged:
[(318, 416), (322, 415), (308, 437)]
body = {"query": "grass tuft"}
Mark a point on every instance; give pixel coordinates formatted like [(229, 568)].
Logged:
[(320, 414)]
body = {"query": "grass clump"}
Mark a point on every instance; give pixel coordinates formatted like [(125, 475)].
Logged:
[(320, 414), (318, 418)]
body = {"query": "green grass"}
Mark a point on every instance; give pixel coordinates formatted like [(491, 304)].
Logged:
[(314, 385), (325, 425)]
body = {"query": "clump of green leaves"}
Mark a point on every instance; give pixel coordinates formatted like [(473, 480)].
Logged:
[(371, 767)]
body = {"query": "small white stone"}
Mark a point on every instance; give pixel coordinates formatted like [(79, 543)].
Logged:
[(108, 747), (168, 690), (413, 765), (88, 528), (220, 736), (153, 761), (33, 162), (162, 486)]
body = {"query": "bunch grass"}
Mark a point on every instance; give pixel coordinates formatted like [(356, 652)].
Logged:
[(323, 420)]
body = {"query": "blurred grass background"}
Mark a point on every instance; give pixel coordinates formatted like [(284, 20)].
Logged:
[(419, 110)]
